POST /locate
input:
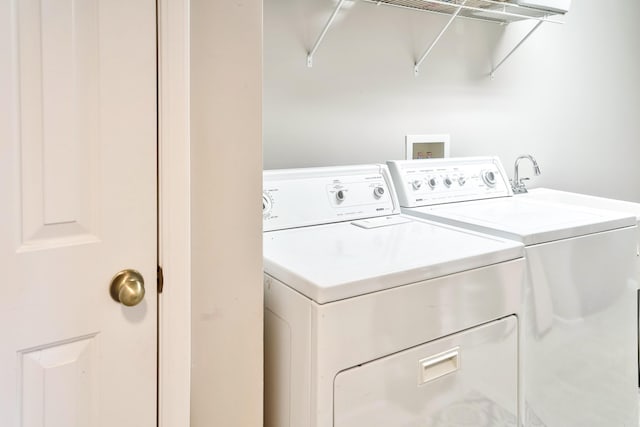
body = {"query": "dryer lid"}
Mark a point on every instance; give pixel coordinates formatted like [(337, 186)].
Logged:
[(336, 261)]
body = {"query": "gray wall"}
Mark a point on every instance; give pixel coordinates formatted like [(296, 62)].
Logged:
[(570, 96)]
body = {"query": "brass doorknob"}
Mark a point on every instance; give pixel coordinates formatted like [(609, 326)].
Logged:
[(127, 287)]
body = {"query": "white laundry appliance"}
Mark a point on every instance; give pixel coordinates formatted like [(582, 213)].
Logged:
[(578, 343), (578, 199), (629, 208), (377, 319)]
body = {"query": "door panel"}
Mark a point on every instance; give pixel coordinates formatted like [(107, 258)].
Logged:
[(78, 183), (58, 64), (57, 383)]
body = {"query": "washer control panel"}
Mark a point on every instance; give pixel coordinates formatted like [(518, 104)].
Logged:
[(435, 181), (313, 196)]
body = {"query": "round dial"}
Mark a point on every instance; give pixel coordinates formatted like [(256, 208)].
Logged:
[(447, 181), (266, 204), (489, 178), (433, 182), (461, 181), (378, 192), (416, 184), (340, 195)]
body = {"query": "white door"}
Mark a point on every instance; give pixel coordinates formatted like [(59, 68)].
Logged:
[(77, 205)]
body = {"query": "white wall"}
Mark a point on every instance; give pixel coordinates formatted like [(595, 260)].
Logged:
[(570, 96), (226, 220)]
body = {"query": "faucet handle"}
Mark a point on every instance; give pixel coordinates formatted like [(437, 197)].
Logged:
[(520, 188)]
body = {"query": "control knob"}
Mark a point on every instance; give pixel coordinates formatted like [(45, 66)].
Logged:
[(433, 182), (461, 181), (266, 204), (416, 184), (447, 181), (378, 192), (340, 195), (489, 178)]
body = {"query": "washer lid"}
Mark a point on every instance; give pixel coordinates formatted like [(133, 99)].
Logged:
[(337, 261), (526, 220), (586, 200)]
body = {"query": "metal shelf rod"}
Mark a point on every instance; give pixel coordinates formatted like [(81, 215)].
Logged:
[(416, 67), (515, 48), (497, 13), (322, 34)]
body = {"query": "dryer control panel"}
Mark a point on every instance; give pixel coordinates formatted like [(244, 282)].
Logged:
[(435, 181), (313, 196)]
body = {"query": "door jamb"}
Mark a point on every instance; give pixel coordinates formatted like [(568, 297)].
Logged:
[(174, 240)]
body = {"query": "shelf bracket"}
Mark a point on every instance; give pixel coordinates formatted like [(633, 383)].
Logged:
[(322, 34), (416, 67), (515, 48)]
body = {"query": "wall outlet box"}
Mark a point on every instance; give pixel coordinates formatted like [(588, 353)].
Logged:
[(427, 146)]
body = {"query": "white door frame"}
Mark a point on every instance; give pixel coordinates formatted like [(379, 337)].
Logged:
[(174, 211)]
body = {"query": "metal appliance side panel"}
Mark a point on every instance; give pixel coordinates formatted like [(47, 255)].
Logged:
[(579, 331), (599, 203)]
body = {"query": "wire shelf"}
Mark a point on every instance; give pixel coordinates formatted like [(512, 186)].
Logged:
[(500, 11)]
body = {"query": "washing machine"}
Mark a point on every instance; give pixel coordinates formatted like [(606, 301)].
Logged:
[(374, 318), (630, 208), (578, 340), (599, 203)]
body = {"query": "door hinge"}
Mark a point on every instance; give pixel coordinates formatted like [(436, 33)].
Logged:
[(160, 280)]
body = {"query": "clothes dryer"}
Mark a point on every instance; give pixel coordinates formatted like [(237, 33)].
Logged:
[(578, 352), (378, 319)]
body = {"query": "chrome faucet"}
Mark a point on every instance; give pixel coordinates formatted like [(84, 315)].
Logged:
[(518, 183)]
